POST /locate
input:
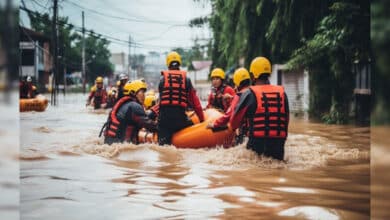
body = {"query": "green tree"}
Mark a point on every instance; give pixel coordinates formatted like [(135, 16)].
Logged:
[(342, 37), (70, 45), (380, 30), (324, 37)]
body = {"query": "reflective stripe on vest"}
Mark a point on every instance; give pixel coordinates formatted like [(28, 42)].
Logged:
[(270, 119), (174, 91), (113, 122)]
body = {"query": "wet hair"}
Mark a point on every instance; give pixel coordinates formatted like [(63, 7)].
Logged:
[(264, 76), (174, 65), (245, 82)]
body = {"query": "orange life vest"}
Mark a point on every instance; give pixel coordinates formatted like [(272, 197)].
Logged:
[(270, 119), (113, 126), (98, 95), (216, 99), (174, 91)]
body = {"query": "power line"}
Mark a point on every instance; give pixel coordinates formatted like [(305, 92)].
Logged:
[(123, 18), (106, 37)]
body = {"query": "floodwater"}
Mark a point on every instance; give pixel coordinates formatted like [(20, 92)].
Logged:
[(66, 172)]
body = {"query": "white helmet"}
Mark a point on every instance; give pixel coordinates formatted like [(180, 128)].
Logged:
[(123, 76), (29, 79)]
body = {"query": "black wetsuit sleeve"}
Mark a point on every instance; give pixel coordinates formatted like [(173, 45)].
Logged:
[(161, 84), (138, 116), (287, 108), (247, 99)]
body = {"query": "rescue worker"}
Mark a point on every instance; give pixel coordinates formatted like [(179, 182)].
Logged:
[(128, 116), (176, 94), (221, 94), (26, 89), (98, 95), (111, 97), (242, 81), (150, 101), (265, 107), (122, 82)]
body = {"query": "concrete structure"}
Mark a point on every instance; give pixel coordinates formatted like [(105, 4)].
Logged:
[(296, 84), (200, 76), (120, 61), (35, 56), (154, 64)]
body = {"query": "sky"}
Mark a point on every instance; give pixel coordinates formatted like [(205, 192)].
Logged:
[(154, 25)]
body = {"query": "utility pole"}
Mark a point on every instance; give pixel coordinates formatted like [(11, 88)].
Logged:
[(83, 53), (129, 58), (55, 56)]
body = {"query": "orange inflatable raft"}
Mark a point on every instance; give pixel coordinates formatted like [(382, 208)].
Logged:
[(197, 135), (39, 104)]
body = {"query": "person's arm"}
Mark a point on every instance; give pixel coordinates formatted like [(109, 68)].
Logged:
[(224, 119), (287, 108), (34, 92), (246, 105), (139, 117), (91, 94), (154, 111), (209, 100), (194, 101), (228, 95), (195, 104)]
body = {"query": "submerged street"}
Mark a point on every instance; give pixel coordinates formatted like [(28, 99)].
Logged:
[(66, 172)]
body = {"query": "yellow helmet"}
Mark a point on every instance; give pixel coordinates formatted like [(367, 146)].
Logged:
[(93, 88), (112, 91), (173, 56), (150, 100), (218, 72), (99, 79), (150, 92), (240, 75), (134, 87), (259, 66)]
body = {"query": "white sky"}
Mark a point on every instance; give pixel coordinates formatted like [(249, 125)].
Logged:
[(153, 24)]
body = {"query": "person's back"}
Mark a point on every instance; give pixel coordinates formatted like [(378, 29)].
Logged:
[(176, 94), (265, 107)]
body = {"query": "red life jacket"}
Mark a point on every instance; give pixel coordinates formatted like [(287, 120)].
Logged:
[(174, 91), (270, 119), (216, 98), (114, 125)]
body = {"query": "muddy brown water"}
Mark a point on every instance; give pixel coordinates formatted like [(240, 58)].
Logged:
[(67, 173)]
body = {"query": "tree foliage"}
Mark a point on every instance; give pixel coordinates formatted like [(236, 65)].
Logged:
[(380, 30), (70, 46), (324, 37)]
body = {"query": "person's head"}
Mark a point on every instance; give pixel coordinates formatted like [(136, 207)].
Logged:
[(241, 78), (99, 82), (150, 92), (217, 76), (123, 78), (173, 60), (29, 79), (150, 100), (136, 89), (260, 69), (112, 92)]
